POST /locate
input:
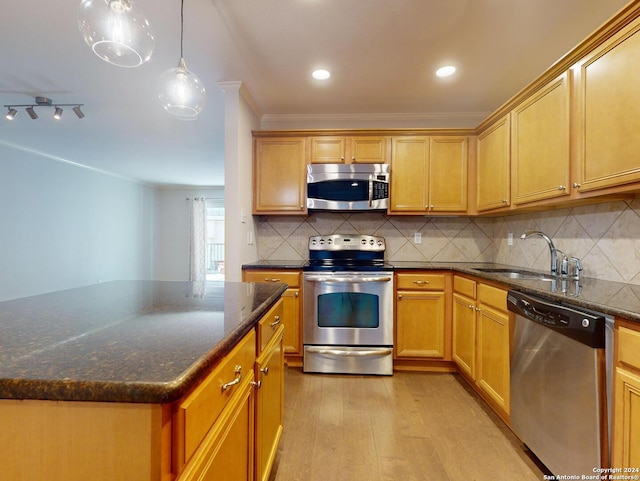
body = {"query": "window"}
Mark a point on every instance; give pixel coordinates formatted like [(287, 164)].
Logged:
[(215, 240)]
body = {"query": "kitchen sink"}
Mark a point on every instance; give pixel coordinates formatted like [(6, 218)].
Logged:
[(517, 273)]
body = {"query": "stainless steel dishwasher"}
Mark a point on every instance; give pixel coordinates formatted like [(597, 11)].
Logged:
[(561, 381)]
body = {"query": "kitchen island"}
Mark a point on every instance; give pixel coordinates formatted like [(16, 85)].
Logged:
[(93, 380)]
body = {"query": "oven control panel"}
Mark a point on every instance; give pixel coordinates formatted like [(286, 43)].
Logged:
[(342, 242)]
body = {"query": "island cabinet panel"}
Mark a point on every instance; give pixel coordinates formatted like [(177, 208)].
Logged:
[(291, 316), (269, 404), (58, 441), (540, 154), (608, 119), (421, 327), (626, 438), (493, 169), (279, 185), (197, 413)]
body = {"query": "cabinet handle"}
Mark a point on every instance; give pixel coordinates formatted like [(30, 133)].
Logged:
[(256, 384), (576, 185), (478, 309), (271, 279), (399, 296), (235, 381), (265, 370), (301, 207), (562, 187), (297, 294), (421, 282), (342, 158), (353, 158), (470, 306), (504, 201), (275, 322)]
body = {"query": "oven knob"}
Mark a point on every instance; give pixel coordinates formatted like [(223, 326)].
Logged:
[(321, 241), (371, 242), (314, 242), (363, 241), (329, 241), (379, 243)]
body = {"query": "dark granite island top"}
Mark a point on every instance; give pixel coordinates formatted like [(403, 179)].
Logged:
[(124, 341)]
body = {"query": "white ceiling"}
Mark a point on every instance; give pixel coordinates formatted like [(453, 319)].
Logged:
[(382, 55)]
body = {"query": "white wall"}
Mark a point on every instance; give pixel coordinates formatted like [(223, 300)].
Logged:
[(240, 120), (64, 226), (171, 256)]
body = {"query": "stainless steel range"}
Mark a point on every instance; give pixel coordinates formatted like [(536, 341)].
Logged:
[(348, 306)]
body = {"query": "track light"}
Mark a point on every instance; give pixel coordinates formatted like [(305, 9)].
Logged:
[(43, 102)]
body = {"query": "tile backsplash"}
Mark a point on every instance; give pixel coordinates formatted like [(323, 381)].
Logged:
[(605, 236)]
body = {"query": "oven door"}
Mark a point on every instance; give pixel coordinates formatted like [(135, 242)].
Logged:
[(348, 308)]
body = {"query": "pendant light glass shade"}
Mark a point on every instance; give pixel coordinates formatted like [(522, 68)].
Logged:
[(181, 92), (116, 31)]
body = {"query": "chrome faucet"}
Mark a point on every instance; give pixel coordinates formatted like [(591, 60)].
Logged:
[(559, 262)]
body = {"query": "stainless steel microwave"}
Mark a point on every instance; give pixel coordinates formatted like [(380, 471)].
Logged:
[(356, 187)]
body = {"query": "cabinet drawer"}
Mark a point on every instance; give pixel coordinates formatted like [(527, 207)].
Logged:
[(629, 347), (269, 324), (196, 414), (291, 278), (464, 286), (425, 282), (492, 296)]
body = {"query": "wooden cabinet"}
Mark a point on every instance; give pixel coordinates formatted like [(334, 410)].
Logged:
[(493, 172), (481, 339), (279, 182), (292, 304), (608, 121), (346, 150), (269, 402), (429, 174), (421, 315), (540, 153), (626, 437)]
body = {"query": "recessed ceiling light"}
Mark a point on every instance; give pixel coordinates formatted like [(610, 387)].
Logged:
[(321, 74), (446, 71)]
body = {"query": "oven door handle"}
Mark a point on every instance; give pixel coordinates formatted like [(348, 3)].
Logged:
[(344, 353), (350, 280)]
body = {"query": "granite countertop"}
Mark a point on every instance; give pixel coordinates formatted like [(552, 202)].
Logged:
[(613, 298), (124, 341)]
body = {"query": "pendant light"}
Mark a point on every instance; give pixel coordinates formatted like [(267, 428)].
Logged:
[(181, 92), (116, 31)]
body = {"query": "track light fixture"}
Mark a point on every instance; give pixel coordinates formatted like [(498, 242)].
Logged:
[(43, 102)]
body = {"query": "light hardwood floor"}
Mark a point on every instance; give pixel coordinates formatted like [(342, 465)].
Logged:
[(407, 427)]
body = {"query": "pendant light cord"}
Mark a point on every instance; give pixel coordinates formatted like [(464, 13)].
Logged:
[(181, 26)]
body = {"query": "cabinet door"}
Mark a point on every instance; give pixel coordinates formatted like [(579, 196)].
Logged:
[(608, 121), (464, 334), (269, 406), (626, 445), (493, 169), (447, 177), (369, 150), (540, 143), (227, 451), (279, 185), (409, 164), (328, 150), (492, 373), (292, 318), (420, 324)]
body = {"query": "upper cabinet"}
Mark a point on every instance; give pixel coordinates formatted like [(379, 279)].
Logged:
[(347, 150), (540, 136), (279, 182), (608, 113), (428, 174), (493, 166)]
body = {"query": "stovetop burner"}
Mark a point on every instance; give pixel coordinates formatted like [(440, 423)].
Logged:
[(345, 252)]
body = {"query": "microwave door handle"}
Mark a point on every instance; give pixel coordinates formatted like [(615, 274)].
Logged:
[(370, 190)]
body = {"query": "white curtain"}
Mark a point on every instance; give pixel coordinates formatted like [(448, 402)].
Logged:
[(198, 239)]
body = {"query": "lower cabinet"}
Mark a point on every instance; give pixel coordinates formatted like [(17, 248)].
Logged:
[(421, 315), (626, 437), (481, 336)]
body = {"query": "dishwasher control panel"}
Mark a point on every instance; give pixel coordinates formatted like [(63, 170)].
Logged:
[(585, 327)]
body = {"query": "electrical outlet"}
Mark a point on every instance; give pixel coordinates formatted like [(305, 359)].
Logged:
[(417, 238), (510, 239)]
